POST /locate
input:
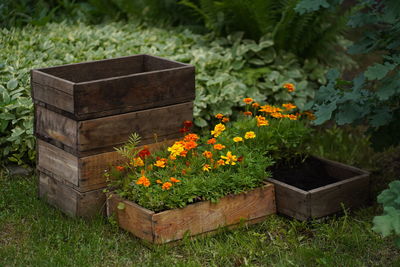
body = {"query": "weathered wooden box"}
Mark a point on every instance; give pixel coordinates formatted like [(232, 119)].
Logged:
[(106, 87), (350, 190), (198, 218)]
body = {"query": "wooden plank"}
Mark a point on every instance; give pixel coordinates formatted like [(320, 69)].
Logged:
[(327, 200), (291, 201), (206, 216), (54, 126), (46, 80), (115, 130), (134, 92), (132, 218), (154, 63), (52, 96), (339, 170)]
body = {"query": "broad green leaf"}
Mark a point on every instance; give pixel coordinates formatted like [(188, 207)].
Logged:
[(121, 206), (378, 71), (12, 84)]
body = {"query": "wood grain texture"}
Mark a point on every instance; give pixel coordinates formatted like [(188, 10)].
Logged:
[(52, 96), (44, 79), (199, 218), (70, 201)]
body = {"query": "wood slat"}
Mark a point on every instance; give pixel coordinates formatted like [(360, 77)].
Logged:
[(53, 97), (40, 77)]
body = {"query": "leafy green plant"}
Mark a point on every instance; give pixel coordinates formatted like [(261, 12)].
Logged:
[(389, 223)]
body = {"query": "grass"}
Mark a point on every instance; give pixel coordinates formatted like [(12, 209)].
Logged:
[(33, 233)]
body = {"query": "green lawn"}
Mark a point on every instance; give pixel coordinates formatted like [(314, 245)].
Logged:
[(35, 234)]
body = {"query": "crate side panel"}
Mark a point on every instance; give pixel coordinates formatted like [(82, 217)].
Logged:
[(53, 97)]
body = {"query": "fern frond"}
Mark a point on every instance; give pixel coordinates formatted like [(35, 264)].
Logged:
[(128, 150)]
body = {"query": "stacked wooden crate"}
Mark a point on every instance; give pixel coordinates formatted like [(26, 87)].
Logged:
[(83, 111)]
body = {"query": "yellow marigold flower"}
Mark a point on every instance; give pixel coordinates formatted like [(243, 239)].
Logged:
[(270, 109), (289, 106), (290, 87), (225, 119), (309, 115), (219, 116), (138, 162), (207, 154), (250, 135), (292, 117), (191, 137), (166, 186), (261, 121), (248, 100), (247, 113), (220, 162), (218, 129), (255, 105), (277, 115), (158, 181), (143, 181), (219, 146), (206, 167), (160, 163), (237, 139), (229, 158), (176, 149), (174, 180)]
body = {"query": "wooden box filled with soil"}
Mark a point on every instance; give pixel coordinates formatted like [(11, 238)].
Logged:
[(318, 187), (199, 218)]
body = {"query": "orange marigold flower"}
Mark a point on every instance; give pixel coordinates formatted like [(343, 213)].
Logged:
[(184, 130), (166, 186), (207, 154), (218, 129), (220, 162), (174, 180), (261, 121), (120, 168), (229, 158), (249, 135), (206, 167), (190, 145), (191, 137), (291, 117), (309, 115), (219, 116), (219, 146), (187, 124), (143, 181), (211, 141), (277, 115), (138, 162), (183, 153), (289, 106), (255, 105), (248, 100), (247, 113), (237, 139), (158, 181), (160, 163), (225, 120), (184, 172), (270, 109), (290, 87)]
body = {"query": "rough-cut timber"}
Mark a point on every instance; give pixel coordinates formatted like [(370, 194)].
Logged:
[(80, 173), (89, 137), (113, 86), (352, 191), (70, 201), (199, 218)]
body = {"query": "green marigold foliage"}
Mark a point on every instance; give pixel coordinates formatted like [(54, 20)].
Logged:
[(226, 69), (389, 222)]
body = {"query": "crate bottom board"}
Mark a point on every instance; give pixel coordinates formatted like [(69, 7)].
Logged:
[(201, 218), (70, 201)]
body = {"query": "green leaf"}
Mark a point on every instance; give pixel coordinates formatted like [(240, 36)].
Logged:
[(12, 84), (306, 6), (324, 113), (378, 71), (121, 206)]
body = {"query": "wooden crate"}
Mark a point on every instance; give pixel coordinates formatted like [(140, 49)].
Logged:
[(107, 87), (352, 191), (90, 137), (198, 218), (69, 200)]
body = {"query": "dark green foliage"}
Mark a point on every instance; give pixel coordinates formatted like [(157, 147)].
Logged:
[(373, 97)]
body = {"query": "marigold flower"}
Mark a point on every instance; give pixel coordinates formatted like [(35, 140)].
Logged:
[(261, 121), (291, 117), (211, 141), (270, 109), (207, 154), (120, 168), (309, 115), (289, 106), (183, 153), (144, 153), (255, 105), (237, 139), (219, 116), (218, 129), (225, 120), (143, 181), (138, 162), (187, 124), (174, 180), (229, 158), (176, 149), (247, 113), (160, 163), (219, 146), (277, 115), (220, 162), (191, 137), (249, 135), (166, 186), (248, 100), (206, 167), (158, 181), (290, 87), (190, 145), (184, 172), (240, 159), (184, 130)]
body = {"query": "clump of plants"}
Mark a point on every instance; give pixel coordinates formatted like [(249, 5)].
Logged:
[(230, 159)]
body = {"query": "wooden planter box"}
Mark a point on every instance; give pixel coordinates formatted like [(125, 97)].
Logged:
[(351, 190), (107, 87), (198, 218)]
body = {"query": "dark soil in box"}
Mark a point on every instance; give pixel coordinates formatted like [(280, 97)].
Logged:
[(306, 175)]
